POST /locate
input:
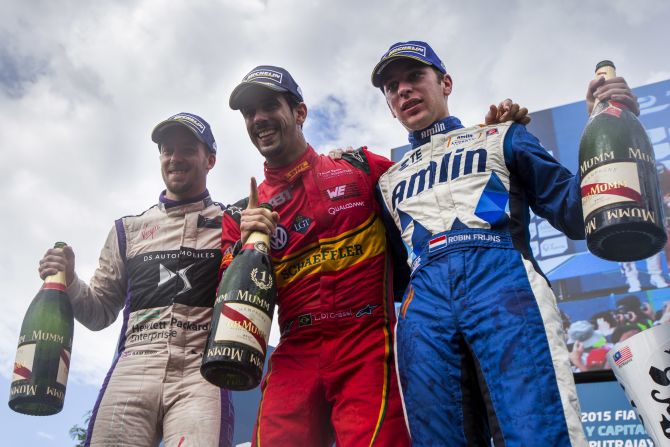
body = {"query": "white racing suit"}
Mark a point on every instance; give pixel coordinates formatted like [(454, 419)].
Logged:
[(480, 342), (161, 268)]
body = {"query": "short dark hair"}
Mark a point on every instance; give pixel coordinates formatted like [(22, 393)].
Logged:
[(292, 100), (438, 74), (621, 330)]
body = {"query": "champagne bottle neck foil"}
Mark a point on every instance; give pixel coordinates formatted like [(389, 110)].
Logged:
[(58, 278), (604, 69), (258, 236)]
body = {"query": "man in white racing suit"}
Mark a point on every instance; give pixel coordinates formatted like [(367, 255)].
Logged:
[(161, 268)]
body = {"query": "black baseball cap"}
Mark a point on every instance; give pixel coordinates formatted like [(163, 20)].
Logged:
[(412, 49), (266, 76), (194, 123)]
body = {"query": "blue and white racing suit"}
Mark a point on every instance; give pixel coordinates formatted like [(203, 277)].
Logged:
[(480, 342)]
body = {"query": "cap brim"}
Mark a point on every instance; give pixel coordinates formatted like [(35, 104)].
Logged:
[(376, 76), (243, 89), (164, 125)]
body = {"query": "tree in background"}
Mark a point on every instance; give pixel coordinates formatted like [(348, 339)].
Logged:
[(78, 432)]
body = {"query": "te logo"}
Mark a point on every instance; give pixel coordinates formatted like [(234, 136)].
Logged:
[(413, 158), (338, 191)]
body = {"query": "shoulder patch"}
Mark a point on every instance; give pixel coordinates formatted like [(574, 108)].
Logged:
[(236, 208), (357, 159)]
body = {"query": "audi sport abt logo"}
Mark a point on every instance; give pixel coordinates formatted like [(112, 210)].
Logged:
[(280, 198)]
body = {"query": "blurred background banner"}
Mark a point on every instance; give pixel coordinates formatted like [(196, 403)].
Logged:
[(603, 302)]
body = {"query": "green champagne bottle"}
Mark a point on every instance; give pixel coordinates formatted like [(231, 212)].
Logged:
[(43, 354), (621, 201), (242, 318)]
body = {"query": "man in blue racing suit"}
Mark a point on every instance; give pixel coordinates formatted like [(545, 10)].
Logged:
[(480, 345)]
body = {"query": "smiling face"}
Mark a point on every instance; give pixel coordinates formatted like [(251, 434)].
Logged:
[(274, 126), (185, 163), (416, 93)]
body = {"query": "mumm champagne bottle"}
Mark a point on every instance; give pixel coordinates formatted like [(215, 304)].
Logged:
[(242, 318), (43, 355), (623, 212)]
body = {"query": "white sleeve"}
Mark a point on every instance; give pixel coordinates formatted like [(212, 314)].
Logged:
[(96, 305)]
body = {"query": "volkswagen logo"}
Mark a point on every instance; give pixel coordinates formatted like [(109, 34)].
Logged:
[(279, 238)]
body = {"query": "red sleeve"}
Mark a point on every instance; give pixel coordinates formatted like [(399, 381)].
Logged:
[(230, 235), (378, 164)]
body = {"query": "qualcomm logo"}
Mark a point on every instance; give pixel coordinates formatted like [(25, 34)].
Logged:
[(166, 275)]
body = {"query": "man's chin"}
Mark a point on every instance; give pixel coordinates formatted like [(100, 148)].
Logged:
[(269, 151), (177, 189), (414, 124)]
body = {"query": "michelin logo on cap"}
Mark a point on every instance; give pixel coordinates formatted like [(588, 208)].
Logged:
[(270, 75), (190, 120), (407, 49), (413, 49)]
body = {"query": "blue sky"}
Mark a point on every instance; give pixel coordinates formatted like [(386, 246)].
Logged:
[(83, 83), (44, 431)]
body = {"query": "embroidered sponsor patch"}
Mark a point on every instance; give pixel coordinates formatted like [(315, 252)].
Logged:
[(623, 356), (437, 243), (301, 224), (279, 238)]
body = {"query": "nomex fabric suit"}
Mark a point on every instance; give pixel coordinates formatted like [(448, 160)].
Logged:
[(479, 333), (332, 376), (160, 267)]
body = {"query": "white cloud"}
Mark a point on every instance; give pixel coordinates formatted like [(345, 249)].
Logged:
[(48, 436), (82, 85)]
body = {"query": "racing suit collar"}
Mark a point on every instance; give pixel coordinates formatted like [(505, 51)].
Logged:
[(167, 203), (445, 125), (292, 172)]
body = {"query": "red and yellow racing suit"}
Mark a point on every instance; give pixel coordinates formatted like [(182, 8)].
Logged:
[(332, 376)]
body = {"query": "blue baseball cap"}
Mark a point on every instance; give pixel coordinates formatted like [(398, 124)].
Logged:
[(267, 76), (412, 49), (194, 123)]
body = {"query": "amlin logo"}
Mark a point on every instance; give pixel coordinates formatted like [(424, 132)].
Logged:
[(270, 75)]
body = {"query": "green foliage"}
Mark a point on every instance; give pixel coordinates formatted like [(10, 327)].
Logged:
[(78, 432)]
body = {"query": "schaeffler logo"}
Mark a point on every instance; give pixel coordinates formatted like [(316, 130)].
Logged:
[(167, 275)]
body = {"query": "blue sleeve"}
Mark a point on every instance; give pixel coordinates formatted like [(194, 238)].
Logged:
[(401, 270), (551, 189)]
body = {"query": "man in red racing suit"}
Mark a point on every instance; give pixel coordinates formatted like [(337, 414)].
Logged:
[(332, 377)]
